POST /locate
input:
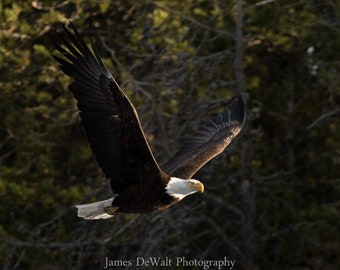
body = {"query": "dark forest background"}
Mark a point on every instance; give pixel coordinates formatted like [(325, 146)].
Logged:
[(271, 200)]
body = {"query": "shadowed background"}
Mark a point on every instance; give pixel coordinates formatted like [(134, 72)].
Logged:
[(271, 200)]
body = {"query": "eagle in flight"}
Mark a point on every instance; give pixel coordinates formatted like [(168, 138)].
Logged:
[(116, 137)]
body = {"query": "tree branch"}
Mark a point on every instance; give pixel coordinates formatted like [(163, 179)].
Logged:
[(322, 118), (201, 25)]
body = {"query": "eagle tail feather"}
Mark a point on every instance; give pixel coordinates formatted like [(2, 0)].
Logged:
[(94, 210)]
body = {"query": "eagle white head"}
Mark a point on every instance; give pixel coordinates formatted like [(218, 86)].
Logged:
[(179, 188)]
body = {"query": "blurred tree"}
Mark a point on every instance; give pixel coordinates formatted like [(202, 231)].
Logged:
[(271, 201)]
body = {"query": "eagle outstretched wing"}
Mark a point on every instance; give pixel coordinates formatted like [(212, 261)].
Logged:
[(209, 141), (109, 119)]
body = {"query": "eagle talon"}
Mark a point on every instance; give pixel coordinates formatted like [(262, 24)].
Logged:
[(111, 210)]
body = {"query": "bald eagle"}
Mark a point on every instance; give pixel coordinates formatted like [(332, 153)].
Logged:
[(116, 137)]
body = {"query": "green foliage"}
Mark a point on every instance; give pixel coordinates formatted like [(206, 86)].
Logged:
[(175, 60)]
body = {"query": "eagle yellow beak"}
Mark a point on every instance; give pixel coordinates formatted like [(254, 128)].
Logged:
[(196, 186)]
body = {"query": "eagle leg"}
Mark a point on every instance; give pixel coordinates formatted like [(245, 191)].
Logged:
[(111, 210)]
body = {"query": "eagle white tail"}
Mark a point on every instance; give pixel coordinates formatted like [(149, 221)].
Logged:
[(94, 210)]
